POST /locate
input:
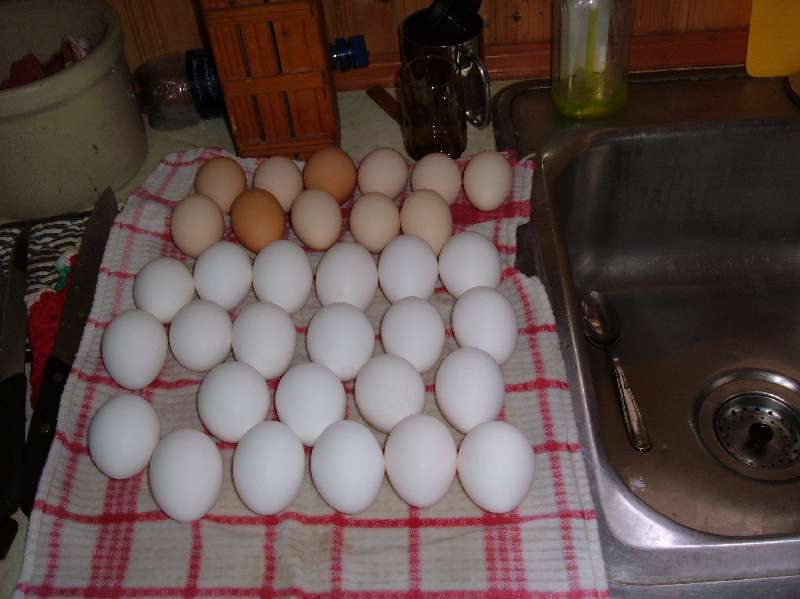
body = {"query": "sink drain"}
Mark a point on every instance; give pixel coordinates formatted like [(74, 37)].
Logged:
[(750, 421), (759, 430)]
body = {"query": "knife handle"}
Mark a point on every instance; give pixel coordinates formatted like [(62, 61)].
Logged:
[(42, 430), (12, 441)]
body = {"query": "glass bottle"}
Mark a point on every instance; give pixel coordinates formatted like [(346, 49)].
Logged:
[(591, 46)]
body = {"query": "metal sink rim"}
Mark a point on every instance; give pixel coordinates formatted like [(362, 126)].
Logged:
[(641, 546)]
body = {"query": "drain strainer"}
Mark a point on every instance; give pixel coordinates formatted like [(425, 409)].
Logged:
[(750, 421), (759, 430)]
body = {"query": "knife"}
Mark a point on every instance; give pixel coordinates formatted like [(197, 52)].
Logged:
[(13, 388), (77, 307)]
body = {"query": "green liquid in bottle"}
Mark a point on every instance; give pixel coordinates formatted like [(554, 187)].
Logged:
[(590, 95)]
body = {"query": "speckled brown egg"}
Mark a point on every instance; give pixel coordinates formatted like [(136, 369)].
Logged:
[(331, 170), (196, 224), (222, 180), (257, 219)]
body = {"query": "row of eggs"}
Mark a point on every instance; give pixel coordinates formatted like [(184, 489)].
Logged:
[(339, 336), (329, 178), (494, 462)]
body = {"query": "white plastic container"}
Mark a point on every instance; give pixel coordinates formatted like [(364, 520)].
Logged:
[(65, 138)]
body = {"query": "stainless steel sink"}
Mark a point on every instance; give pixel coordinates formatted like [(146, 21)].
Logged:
[(685, 212)]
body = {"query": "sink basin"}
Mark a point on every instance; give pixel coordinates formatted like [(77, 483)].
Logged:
[(685, 212)]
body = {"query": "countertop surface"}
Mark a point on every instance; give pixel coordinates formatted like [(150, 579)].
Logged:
[(364, 126)]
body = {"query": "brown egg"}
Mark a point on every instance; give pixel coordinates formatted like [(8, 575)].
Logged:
[(222, 180), (331, 170), (374, 221), (257, 219), (317, 219), (196, 224), (426, 215)]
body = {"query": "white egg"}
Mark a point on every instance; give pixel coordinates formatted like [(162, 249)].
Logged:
[(383, 170), (469, 260), (186, 475), (268, 467), (407, 268), (282, 275), (485, 319), (487, 180), (223, 274), (134, 349), (281, 177), (310, 398), (469, 388), (347, 274), (200, 335), (122, 436), (341, 338), (496, 466), (413, 329), (264, 337), (163, 287), (420, 460), (347, 466), (232, 399), (388, 389), (440, 173)]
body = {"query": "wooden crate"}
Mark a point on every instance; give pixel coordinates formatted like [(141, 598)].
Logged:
[(272, 61)]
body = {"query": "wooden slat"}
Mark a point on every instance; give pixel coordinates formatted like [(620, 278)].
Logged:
[(510, 21), (258, 44), (328, 107), (293, 49), (301, 148), (244, 121), (313, 32), (214, 4), (258, 13), (690, 49), (305, 112), (227, 52), (278, 83), (518, 61), (274, 116), (661, 16)]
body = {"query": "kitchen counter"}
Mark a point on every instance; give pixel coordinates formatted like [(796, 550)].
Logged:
[(364, 126)]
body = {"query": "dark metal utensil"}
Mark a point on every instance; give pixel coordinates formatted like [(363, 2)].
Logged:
[(602, 329), (13, 386), (77, 307)]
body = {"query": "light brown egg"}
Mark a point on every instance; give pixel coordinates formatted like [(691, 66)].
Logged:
[(222, 180), (426, 215), (374, 221), (317, 219), (383, 170), (257, 219), (281, 177), (196, 224), (331, 170)]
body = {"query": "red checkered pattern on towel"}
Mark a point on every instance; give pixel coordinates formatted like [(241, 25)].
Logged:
[(94, 537)]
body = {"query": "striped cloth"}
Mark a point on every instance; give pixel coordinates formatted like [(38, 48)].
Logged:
[(93, 537)]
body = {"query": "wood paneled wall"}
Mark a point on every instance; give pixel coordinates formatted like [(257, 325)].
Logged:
[(667, 33)]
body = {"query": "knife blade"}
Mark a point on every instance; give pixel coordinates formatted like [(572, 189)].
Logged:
[(13, 388), (77, 307)]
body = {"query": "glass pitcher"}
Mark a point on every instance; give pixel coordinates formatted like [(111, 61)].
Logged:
[(591, 46)]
